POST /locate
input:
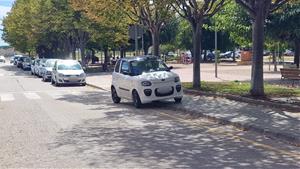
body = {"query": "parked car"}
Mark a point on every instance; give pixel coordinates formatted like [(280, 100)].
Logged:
[(47, 69), (2, 59), (226, 55), (11, 60), (26, 64), (289, 53), (20, 62), (34, 66), (40, 67), (67, 72), (144, 79), (16, 58)]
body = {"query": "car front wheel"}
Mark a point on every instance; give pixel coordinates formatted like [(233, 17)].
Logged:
[(114, 95), (136, 99)]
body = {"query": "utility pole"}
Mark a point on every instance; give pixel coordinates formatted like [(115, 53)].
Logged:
[(136, 39), (216, 53)]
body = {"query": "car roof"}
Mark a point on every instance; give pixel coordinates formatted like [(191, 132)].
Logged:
[(145, 57)]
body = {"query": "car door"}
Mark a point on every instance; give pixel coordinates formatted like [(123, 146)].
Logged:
[(116, 77), (125, 80), (54, 71)]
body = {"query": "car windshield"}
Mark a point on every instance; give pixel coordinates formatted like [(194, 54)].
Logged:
[(149, 65), (69, 66), (50, 63), (27, 60)]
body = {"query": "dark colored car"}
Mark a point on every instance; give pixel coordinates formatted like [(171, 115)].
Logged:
[(16, 58), (26, 65), (20, 61)]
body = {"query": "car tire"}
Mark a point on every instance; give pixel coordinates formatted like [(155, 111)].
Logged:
[(83, 84), (114, 95), (178, 100), (56, 84), (44, 79), (136, 99)]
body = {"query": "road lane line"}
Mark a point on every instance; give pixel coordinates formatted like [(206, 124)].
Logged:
[(32, 96), (7, 97)]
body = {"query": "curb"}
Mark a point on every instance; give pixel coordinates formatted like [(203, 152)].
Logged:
[(280, 105), (96, 87), (292, 140)]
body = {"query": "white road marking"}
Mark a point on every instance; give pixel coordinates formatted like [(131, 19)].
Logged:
[(32, 96), (7, 97), (55, 95)]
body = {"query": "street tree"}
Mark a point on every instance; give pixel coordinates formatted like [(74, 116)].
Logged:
[(284, 25), (110, 23), (258, 10), (195, 12), (153, 14)]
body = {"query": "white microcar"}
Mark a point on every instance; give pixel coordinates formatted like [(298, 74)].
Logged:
[(144, 79)]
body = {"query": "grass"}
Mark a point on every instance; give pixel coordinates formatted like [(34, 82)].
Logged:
[(242, 88)]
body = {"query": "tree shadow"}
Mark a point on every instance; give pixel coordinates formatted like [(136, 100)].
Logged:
[(126, 139)]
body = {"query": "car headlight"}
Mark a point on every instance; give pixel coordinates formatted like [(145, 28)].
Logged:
[(177, 79), (146, 83), (60, 75), (82, 75)]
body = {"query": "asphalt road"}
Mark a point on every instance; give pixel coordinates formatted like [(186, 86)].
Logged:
[(42, 126)]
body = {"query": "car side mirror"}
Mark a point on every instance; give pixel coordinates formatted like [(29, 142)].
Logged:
[(171, 67)]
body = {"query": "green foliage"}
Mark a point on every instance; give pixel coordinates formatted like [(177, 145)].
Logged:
[(285, 23), (242, 88), (235, 21)]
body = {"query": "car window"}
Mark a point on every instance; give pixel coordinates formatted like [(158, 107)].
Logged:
[(50, 63), (117, 68), (125, 67), (69, 66), (149, 65)]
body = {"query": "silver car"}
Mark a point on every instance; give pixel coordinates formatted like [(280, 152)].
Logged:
[(46, 72), (68, 72), (40, 67)]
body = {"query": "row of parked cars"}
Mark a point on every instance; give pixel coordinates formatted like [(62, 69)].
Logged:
[(58, 71)]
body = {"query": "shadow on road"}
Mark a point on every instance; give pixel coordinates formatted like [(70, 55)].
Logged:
[(129, 138)]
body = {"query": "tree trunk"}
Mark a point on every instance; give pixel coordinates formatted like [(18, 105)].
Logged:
[(297, 53), (74, 54), (205, 56), (82, 52), (155, 41), (233, 55), (257, 79), (106, 56), (274, 61), (197, 31)]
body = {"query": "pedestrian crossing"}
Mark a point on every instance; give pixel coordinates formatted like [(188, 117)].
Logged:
[(13, 96)]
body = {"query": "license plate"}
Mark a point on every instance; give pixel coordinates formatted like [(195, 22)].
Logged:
[(164, 90)]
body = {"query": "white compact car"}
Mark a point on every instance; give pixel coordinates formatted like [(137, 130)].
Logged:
[(2, 59), (144, 79), (67, 72)]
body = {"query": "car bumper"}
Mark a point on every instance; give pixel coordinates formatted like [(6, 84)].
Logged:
[(77, 80), (174, 92)]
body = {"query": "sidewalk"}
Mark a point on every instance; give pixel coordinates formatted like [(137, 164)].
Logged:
[(273, 122)]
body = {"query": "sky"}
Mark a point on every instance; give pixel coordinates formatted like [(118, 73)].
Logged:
[(5, 6)]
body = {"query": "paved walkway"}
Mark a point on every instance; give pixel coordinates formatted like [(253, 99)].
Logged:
[(279, 122)]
